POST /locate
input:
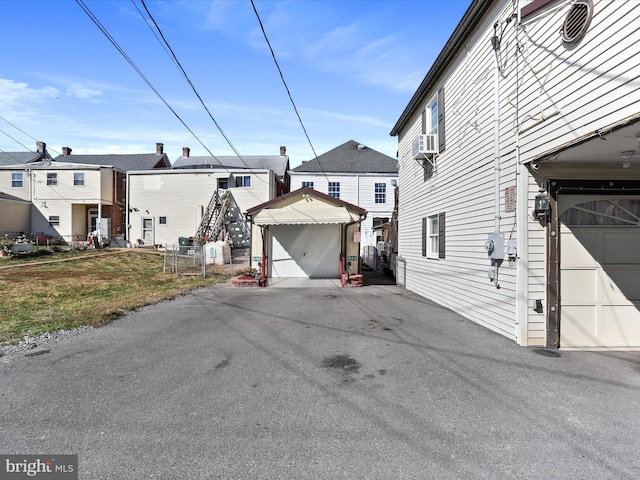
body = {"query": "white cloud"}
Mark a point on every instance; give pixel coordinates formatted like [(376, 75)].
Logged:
[(83, 93), (14, 93)]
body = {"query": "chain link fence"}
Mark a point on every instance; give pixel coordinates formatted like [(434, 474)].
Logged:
[(202, 261)]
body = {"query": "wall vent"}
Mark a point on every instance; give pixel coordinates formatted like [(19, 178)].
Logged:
[(577, 21)]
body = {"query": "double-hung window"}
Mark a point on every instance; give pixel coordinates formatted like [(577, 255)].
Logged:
[(307, 184), (380, 192), (17, 180), (243, 181), (334, 189), (78, 179), (52, 179), (433, 245)]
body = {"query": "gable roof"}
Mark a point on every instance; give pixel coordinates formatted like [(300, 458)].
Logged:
[(276, 163), (351, 157), (123, 162), (303, 210), (16, 158)]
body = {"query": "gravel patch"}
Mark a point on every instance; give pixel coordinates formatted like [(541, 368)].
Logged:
[(30, 343)]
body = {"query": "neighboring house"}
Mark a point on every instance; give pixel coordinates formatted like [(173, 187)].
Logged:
[(305, 234), (520, 168), (188, 200), (15, 216), (75, 195), (356, 174), (17, 158)]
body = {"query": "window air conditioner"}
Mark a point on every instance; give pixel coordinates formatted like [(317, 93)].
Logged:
[(425, 144)]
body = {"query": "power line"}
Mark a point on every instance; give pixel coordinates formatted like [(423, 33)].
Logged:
[(186, 77), (135, 67), (21, 131), (287, 89)]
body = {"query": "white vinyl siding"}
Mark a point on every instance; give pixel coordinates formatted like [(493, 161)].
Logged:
[(357, 189), (461, 186)]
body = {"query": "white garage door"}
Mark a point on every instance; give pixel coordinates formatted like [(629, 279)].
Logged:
[(305, 251), (600, 275)]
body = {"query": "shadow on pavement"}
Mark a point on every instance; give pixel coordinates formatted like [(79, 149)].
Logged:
[(370, 277)]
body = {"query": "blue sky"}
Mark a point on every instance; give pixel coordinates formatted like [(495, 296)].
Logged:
[(351, 67)]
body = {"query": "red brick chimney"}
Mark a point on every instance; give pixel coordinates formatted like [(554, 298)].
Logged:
[(66, 151), (186, 151), (283, 151), (160, 148)]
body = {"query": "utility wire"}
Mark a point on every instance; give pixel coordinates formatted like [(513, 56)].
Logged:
[(287, 89), (174, 58), (22, 131), (186, 77), (135, 67)]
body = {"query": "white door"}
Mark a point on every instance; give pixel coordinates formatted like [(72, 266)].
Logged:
[(311, 251), (600, 274), (147, 231)]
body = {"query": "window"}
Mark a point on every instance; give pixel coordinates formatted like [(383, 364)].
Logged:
[(433, 236), (52, 179), (433, 118), (334, 189), (380, 192), (162, 220), (78, 179), (307, 184), (17, 180), (54, 220), (223, 183), (243, 181)]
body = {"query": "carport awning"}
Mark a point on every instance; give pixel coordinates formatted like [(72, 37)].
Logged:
[(294, 215)]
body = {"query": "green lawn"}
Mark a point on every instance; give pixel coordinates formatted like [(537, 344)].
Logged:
[(87, 288)]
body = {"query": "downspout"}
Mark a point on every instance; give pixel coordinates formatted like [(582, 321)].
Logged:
[(127, 203), (522, 228), (495, 243)]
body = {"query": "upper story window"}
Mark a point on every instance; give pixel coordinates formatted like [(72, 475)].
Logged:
[(162, 220), (243, 181), (307, 184), (52, 179), (78, 179), (380, 192), (433, 119), (17, 180), (54, 220), (223, 183), (334, 189)]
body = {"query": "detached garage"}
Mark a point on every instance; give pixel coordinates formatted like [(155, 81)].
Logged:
[(306, 234)]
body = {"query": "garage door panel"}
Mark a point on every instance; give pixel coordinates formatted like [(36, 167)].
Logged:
[(620, 286), (621, 248), (578, 327), (581, 245), (579, 286), (623, 323), (311, 251)]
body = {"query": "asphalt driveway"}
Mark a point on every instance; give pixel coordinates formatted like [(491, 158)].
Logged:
[(330, 383)]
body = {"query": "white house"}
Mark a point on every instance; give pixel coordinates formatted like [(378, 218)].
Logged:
[(73, 195), (358, 175), (166, 205), (519, 168)]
